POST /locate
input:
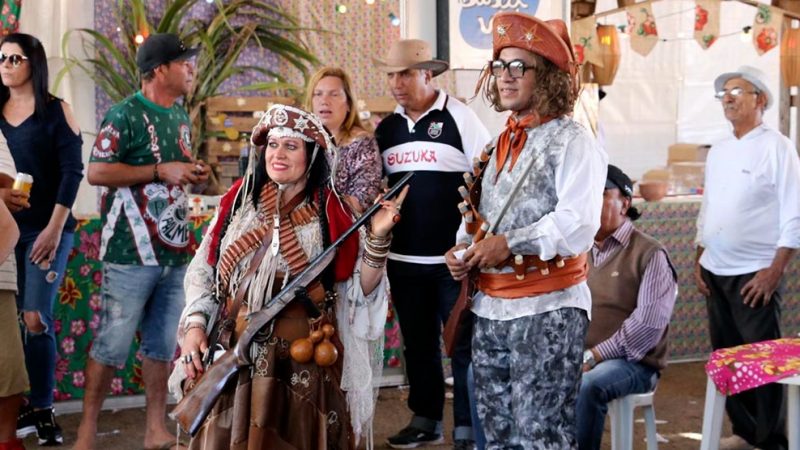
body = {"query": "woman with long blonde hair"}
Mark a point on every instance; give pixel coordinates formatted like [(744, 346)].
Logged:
[(329, 95)]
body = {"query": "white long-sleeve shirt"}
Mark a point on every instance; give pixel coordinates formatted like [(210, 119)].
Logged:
[(751, 202), (579, 177)]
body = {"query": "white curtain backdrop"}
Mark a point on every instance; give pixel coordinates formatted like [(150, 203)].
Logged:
[(668, 96), (48, 20)]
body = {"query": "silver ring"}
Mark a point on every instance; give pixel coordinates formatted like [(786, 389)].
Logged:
[(187, 359)]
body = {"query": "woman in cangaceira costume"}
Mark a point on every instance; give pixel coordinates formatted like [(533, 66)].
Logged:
[(281, 402)]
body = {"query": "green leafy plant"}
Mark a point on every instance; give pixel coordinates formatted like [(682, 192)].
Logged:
[(236, 25)]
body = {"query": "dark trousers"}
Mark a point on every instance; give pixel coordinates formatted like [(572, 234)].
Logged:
[(424, 295), (757, 415)]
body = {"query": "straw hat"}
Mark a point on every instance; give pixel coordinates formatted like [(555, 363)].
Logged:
[(410, 54)]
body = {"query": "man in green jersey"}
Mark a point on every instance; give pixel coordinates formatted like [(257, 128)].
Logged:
[(142, 158)]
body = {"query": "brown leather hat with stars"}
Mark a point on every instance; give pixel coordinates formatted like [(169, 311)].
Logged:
[(548, 39)]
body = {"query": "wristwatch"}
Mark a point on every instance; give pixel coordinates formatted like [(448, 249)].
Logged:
[(588, 358)]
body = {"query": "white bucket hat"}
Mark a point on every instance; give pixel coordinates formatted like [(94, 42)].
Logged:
[(750, 74)]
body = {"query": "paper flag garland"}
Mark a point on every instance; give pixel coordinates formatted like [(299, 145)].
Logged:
[(706, 22), (642, 28), (766, 28)]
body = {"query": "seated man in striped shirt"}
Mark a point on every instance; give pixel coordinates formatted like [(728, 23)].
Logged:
[(633, 286)]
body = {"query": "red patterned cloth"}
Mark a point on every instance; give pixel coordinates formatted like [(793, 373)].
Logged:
[(749, 366)]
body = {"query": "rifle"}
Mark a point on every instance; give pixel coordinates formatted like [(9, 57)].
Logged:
[(195, 406)]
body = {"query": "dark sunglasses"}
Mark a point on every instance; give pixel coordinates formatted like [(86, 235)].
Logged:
[(516, 68), (15, 59)]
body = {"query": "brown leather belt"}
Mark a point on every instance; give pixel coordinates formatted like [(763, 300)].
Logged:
[(292, 321), (547, 276)]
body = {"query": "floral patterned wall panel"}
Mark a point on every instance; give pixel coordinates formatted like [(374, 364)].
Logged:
[(105, 22), (352, 39)]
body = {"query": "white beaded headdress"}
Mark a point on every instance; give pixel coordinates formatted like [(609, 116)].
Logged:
[(288, 121)]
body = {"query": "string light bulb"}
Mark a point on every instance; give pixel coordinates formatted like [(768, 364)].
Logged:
[(746, 35), (138, 39), (370, 2), (395, 21), (341, 9)]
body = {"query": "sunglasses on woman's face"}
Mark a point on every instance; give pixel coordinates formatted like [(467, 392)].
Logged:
[(15, 59)]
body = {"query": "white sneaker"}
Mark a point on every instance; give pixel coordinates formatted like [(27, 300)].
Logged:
[(734, 442)]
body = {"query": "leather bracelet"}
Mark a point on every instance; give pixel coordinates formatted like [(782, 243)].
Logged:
[(194, 321), (192, 325), (156, 178)]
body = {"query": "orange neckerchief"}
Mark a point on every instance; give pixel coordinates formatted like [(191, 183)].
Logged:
[(506, 143)]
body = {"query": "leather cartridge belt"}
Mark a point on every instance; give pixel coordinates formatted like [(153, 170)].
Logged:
[(533, 277)]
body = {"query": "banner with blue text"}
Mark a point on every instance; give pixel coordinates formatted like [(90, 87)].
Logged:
[(471, 26)]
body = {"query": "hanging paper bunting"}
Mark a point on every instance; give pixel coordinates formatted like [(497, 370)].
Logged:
[(584, 39), (642, 28), (706, 22), (765, 28)]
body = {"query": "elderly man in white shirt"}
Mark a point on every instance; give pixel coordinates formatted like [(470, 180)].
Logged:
[(747, 232)]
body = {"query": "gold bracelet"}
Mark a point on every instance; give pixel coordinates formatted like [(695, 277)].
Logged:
[(372, 263)]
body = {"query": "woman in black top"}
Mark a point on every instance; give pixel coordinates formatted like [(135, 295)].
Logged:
[(45, 142)]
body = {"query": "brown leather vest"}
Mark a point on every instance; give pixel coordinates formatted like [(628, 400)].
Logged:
[(615, 287)]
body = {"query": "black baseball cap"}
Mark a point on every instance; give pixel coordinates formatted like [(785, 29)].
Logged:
[(616, 179), (162, 48)]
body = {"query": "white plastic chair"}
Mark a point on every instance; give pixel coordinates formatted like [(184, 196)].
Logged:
[(715, 409), (621, 413)]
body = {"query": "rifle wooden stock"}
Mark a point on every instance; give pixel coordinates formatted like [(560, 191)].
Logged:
[(193, 409), (195, 406), (460, 317)]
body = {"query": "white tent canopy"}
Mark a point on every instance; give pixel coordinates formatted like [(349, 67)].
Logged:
[(667, 96), (655, 101)]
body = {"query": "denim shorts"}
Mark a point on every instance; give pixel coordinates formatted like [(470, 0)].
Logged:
[(150, 298)]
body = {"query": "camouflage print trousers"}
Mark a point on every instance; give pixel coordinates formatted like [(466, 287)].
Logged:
[(527, 373)]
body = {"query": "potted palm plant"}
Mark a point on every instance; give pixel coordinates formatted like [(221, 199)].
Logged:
[(235, 25)]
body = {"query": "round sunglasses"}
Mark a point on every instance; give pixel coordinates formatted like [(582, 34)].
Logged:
[(15, 59)]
